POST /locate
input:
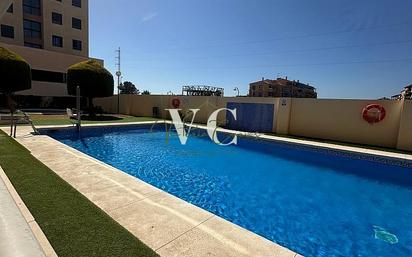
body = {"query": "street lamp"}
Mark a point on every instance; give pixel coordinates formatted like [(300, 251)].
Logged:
[(118, 74), (237, 90)]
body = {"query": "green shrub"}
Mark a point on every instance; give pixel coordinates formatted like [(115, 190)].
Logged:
[(92, 78), (15, 72)]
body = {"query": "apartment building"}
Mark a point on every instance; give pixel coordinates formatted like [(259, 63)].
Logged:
[(405, 94), (51, 35), (281, 87)]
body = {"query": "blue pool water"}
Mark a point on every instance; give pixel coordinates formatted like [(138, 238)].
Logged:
[(315, 203)]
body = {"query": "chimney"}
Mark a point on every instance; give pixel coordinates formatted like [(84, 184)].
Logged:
[(286, 78), (263, 78)]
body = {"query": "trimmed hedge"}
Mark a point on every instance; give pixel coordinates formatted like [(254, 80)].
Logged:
[(15, 72), (92, 78)]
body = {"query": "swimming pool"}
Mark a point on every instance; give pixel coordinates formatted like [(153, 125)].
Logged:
[(315, 202)]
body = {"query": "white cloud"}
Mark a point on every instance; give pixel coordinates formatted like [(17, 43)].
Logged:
[(149, 16)]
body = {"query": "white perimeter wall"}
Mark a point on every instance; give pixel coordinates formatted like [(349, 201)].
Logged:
[(329, 119)]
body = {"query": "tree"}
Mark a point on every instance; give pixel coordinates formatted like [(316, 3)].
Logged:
[(128, 88), (92, 78), (15, 72), (146, 92), (15, 75)]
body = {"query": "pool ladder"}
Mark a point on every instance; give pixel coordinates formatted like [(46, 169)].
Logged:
[(28, 120)]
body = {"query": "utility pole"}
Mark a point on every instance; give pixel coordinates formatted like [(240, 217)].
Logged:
[(118, 74)]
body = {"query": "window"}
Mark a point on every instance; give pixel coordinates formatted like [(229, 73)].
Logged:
[(57, 18), (286, 92), (7, 31), (28, 44), (57, 41), (10, 10), (77, 3), (32, 7), (48, 76), (76, 23), (77, 45), (32, 29)]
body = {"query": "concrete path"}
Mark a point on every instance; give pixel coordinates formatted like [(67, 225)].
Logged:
[(16, 237)]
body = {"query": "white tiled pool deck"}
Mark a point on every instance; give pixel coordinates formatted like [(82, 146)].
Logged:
[(167, 224)]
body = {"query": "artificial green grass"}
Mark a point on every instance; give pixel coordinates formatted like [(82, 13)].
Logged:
[(74, 226)]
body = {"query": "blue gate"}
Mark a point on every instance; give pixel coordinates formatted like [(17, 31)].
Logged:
[(251, 117)]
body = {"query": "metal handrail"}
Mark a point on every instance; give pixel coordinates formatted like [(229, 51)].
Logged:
[(27, 118), (14, 121)]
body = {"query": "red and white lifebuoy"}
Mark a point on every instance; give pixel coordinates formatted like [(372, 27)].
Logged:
[(176, 103), (374, 113)]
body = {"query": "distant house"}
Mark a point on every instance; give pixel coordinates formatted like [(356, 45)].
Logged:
[(405, 94), (281, 87), (203, 91)]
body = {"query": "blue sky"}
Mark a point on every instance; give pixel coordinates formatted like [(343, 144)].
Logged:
[(345, 48)]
